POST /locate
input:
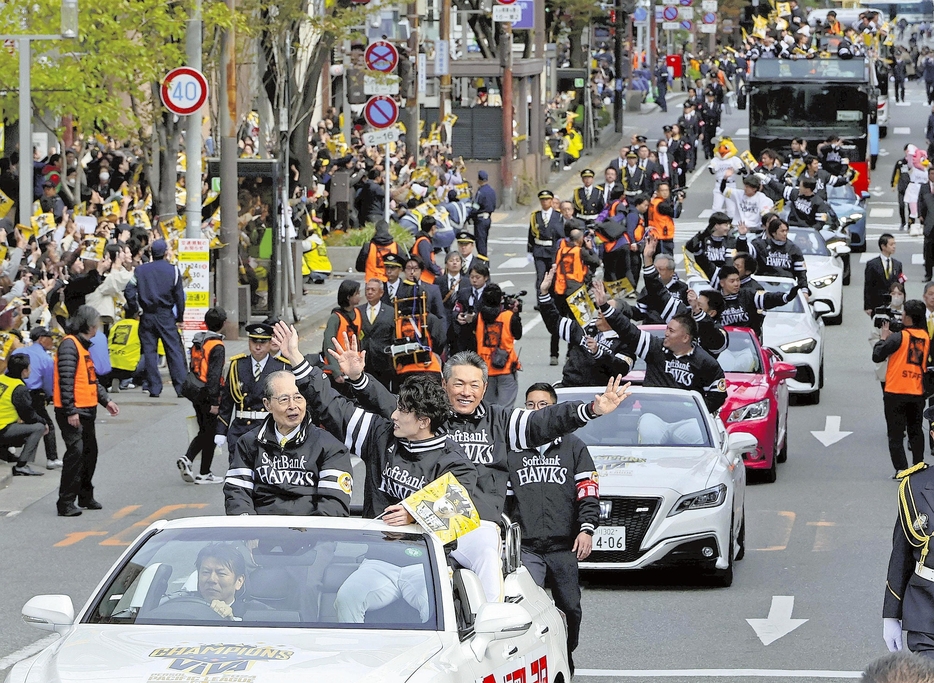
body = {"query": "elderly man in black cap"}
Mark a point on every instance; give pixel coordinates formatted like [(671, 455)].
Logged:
[(242, 408), (484, 203), (546, 229), (587, 200), (41, 382), (157, 292)]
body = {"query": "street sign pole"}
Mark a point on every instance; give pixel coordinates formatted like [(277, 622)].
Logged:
[(386, 179), (193, 133), (25, 132)]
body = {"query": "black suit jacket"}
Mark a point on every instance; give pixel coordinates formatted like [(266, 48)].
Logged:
[(875, 284), (926, 210), (376, 337)]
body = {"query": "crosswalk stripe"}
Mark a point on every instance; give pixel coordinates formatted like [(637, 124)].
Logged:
[(514, 263), (706, 213), (881, 213), (901, 130), (917, 259)]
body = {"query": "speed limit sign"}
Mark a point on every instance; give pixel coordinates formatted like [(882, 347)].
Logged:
[(184, 90)]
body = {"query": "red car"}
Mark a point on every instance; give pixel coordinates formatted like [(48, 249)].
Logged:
[(757, 396)]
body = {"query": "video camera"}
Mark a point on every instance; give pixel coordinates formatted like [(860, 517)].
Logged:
[(886, 314), (513, 302)]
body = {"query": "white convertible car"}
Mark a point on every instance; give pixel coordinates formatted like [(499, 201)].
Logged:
[(672, 484), (279, 599)]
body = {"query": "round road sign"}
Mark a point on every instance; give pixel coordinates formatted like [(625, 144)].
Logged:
[(687, 25), (670, 13), (710, 18), (505, 2), (686, 3), (381, 111), (381, 56), (184, 90)]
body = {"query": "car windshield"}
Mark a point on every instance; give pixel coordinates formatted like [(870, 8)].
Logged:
[(742, 355), (842, 193), (793, 306), (647, 419), (274, 577), (810, 242)]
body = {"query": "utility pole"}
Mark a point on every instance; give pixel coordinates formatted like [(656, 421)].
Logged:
[(411, 110), (509, 192), (193, 132), (445, 36), (227, 264), (620, 25)]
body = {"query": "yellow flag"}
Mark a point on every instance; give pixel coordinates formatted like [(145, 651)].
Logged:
[(112, 208), (749, 160), (139, 218), (443, 508), (582, 307), (5, 203), (40, 225)]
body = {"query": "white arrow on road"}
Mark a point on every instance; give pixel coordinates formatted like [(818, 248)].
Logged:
[(779, 622), (831, 433)]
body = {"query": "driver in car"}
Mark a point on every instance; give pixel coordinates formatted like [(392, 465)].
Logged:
[(221, 577)]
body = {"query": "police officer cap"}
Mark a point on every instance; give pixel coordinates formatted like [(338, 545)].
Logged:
[(587, 173), (259, 331), (464, 236), (158, 248), (344, 160), (641, 138), (688, 105), (393, 261), (631, 155), (546, 194), (39, 332), (667, 129), (483, 175)]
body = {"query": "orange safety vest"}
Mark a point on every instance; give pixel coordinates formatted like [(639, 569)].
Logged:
[(374, 260), (663, 227), (907, 365), (427, 275), (343, 327), (200, 356), (85, 379), (419, 361), (497, 335), (570, 267)]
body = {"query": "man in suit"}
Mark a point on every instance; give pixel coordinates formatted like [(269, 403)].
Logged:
[(611, 190), (412, 286), (588, 201), (546, 229), (881, 272), (620, 161), (666, 167), (377, 331), (710, 118), (926, 215)]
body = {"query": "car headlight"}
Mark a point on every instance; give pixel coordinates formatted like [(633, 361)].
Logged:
[(800, 346), (753, 411), (708, 498), (825, 281)]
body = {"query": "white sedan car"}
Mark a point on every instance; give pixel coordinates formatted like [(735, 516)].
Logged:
[(283, 599), (672, 484), (825, 270)]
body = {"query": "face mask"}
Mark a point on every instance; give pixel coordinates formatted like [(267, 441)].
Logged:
[(898, 300), (663, 150)]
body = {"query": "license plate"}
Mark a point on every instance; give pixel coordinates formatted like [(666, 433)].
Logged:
[(609, 538)]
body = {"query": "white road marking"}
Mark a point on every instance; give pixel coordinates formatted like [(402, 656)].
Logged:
[(865, 257), (883, 152), (531, 324), (830, 435), (506, 285), (697, 173), (706, 213), (27, 651), (679, 258), (779, 622), (901, 130), (881, 213), (742, 131), (917, 259), (903, 104), (513, 263), (716, 673)]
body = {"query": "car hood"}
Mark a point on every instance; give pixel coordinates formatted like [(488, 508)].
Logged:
[(780, 328), (635, 470), (844, 208), (144, 653), (742, 389), (819, 266)]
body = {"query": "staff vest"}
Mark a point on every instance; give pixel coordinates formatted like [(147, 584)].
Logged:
[(124, 345), (497, 335), (8, 414), (85, 378), (662, 226), (200, 358), (570, 267), (907, 365), (427, 275), (374, 260), (344, 327), (413, 328)]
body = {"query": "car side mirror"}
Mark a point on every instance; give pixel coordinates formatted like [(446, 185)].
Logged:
[(821, 308), (839, 248), (50, 612), (741, 442), (784, 370), (498, 621), (864, 195)]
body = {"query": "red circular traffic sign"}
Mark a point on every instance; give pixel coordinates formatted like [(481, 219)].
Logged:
[(381, 111), (687, 25), (184, 90), (670, 13), (381, 56), (709, 18), (505, 2)]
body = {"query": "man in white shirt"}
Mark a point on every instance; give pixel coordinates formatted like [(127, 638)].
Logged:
[(751, 204)]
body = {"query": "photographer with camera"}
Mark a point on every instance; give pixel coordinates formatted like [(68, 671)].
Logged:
[(903, 398), (890, 312), (664, 207)]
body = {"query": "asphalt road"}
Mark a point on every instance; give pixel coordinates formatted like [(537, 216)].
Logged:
[(820, 535)]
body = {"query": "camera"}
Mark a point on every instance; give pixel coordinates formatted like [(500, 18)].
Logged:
[(513, 302), (886, 314)]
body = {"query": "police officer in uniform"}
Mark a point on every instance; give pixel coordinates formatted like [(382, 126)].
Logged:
[(909, 587), (546, 228), (553, 494), (588, 200), (242, 408), (484, 203)]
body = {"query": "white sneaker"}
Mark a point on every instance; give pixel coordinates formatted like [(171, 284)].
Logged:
[(208, 478), (916, 230), (54, 464), (184, 468)]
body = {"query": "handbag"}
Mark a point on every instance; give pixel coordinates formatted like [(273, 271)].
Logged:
[(193, 388), (499, 359)]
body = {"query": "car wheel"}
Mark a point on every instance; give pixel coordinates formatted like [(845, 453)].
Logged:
[(883, 131), (783, 453), (836, 320), (723, 578), (846, 270), (741, 540), (820, 376), (770, 475)]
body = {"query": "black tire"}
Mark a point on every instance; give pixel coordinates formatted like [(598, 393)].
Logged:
[(770, 475), (741, 541), (820, 375), (858, 248), (836, 320), (723, 578), (883, 131), (846, 270), (783, 453)]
